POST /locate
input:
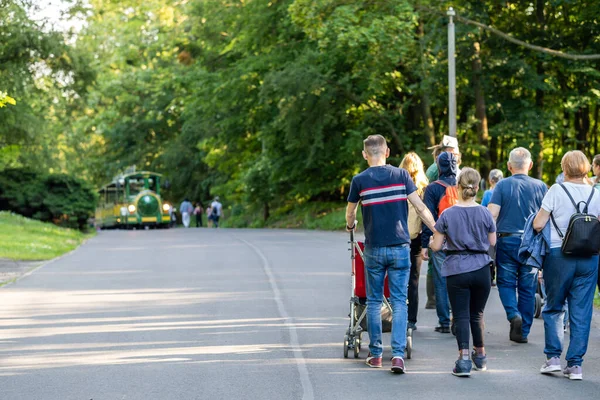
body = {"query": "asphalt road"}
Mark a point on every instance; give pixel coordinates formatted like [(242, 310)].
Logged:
[(230, 314)]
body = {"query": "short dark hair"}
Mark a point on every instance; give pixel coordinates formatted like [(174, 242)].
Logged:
[(375, 145)]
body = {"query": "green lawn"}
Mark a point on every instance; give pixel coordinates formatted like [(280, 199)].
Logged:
[(26, 239), (597, 299)]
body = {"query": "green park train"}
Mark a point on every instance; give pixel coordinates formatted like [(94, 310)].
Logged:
[(132, 201)]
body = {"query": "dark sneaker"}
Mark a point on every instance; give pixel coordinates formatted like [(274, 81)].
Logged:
[(442, 329), (479, 361), (551, 365), (574, 373), (398, 365), (412, 325), (462, 368), (516, 330), (373, 362), (430, 305)]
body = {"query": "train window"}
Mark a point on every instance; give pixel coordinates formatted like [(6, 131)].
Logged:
[(111, 197), (135, 186), (152, 184)]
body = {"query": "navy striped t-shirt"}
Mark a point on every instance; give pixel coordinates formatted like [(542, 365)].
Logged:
[(382, 192)]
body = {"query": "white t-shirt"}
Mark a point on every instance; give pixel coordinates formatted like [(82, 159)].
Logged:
[(217, 207), (558, 203)]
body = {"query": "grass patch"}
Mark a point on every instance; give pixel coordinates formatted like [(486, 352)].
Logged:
[(597, 299), (26, 239), (322, 216)]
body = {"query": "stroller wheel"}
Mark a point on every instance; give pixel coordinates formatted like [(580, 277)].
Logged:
[(409, 344), (538, 305), (356, 346), (346, 345)]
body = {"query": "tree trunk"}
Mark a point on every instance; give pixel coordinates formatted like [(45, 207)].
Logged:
[(480, 114), (582, 126)]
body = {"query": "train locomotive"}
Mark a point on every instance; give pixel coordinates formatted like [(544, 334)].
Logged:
[(133, 201)]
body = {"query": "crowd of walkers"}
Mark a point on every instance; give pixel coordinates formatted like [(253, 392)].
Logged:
[(213, 213), (520, 228)]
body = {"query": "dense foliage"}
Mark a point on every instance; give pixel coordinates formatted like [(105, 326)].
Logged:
[(266, 103), (57, 198)]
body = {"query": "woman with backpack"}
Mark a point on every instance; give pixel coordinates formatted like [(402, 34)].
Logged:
[(571, 265), (440, 195), (465, 232), (413, 164)]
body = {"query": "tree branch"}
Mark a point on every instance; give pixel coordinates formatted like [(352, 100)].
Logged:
[(505, 36)]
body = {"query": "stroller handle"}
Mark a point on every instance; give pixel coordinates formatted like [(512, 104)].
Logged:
[(352, 231)]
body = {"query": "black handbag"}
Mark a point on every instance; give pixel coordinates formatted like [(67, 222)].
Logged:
[(582, 238)]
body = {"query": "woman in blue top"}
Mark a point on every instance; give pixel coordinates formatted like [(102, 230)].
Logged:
[(495, 176), (466, 232)]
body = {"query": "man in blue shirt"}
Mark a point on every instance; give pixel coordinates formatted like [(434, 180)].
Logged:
[(514, 199), (383, 191)]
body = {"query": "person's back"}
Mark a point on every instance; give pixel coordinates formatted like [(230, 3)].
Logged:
[(216, 211), (513, 201), (519, 196), (383, 191), (466, 231), (434, 193)]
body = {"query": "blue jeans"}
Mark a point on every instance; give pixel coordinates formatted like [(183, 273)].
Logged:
[(442, 304), (395, 260), (517, 283), (573, 279)]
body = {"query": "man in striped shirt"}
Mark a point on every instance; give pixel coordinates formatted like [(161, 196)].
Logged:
[(383, 191)]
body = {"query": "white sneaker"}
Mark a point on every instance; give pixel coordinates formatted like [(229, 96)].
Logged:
[(574, 373), (551, 365)]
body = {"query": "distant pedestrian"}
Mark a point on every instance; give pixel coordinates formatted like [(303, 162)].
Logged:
[(216, 210), (186, 208), (440, 195), (198, 212), (495, 176), (514, 199), (172, 217), (570, 278), (465, 232), (414, 166)]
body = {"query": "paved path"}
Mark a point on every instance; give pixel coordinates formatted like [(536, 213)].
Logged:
[(227, 314)]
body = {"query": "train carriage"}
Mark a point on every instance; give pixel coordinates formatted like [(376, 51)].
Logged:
[(133, 200)]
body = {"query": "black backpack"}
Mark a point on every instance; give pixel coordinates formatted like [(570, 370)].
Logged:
[(582, 238)]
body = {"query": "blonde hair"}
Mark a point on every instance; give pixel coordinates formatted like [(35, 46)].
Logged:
[(575, 164), (597, 159), (468, 182), (413, 164)]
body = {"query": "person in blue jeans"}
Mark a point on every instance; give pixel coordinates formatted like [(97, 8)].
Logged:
[(568, 279), (513, 201), (383, 191), (448, 168)]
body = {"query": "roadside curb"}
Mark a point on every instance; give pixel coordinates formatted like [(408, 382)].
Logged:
[(42, 265)]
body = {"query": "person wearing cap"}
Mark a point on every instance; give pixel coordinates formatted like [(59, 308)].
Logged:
[(513, 201), (448, 143), (434, 193)]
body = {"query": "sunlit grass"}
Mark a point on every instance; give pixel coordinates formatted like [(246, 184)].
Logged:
[(597, 299), (26, 239), (315, 215)]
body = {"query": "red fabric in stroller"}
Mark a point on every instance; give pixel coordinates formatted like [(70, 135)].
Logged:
[(361, 285)]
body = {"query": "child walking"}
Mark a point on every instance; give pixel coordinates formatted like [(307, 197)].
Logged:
[(466, 232)]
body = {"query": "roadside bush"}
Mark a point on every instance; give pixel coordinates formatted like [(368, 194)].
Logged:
[(65, 200)]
